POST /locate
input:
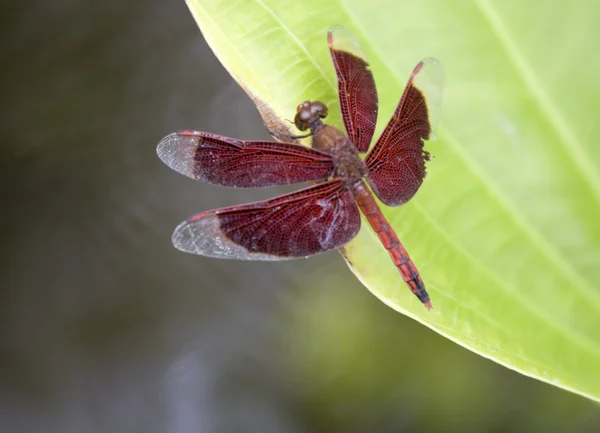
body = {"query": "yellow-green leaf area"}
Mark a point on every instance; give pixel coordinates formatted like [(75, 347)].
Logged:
[(506, 228)]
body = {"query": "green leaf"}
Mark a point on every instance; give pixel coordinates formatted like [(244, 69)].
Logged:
[(506, 228)]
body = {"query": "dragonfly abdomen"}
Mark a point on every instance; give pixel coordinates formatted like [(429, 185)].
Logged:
[(368, 206)]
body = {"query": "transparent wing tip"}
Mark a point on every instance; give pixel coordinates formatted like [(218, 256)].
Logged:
[(428, 76), (341, 38), (177, 151)]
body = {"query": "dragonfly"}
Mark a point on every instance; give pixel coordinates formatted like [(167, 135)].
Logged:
[(325, 215)]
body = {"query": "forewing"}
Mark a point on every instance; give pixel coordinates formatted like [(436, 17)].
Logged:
[(227, 161), (397, 161), (356, 87), (315, 219)]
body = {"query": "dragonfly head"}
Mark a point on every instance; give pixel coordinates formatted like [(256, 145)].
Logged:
[(308, 113)]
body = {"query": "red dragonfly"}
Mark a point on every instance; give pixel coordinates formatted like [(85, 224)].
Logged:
[(323, 216)]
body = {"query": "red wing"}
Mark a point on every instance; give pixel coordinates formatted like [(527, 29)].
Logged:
[(230, 162), (356, 87), (315, 219), (397, 162)]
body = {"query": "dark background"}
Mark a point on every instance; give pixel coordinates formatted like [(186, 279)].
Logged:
[(105, 327)]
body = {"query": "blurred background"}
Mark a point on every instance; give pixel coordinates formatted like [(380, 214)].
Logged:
[(107, 328)]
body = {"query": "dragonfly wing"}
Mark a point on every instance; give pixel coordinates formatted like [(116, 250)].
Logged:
[(356, 87), (230, 162), (306, 222), (397, 161)]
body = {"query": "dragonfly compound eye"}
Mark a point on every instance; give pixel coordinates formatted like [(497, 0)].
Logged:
[(319, 109), (303, 118)]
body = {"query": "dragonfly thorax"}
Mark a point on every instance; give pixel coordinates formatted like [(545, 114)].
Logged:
[(348, 164)]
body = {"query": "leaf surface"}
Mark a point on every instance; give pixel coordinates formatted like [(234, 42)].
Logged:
[(506, 228)]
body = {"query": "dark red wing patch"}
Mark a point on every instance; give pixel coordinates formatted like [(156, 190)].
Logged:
[(397, 161), (227, 161), (356, 87), (315, 219)]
